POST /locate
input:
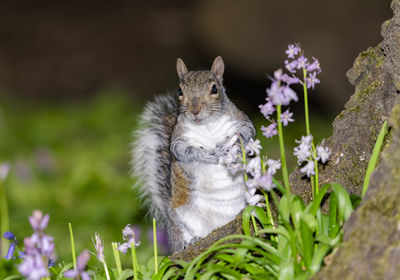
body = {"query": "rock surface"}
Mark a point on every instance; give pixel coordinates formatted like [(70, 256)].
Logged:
[(371, 246), (372, 235)]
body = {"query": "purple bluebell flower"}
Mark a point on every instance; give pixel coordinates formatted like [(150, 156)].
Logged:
[(286, 117), (234, 168), (293, 49), (267, 109), (308, 168), (4, 170), (302, 62), (314, 66), (323, 154), (275, 94), (231, 156), (273, 166), (290, 80), (129, 237), (254, 166), (311, 80), (162, 239), (303, 151), (288, 95), (79, 272), (99, 246), (33, 267), (291, 66), (265, 182), (270, 130), (253, 147), (278, 75), (9, 235), (39, 248), (251, 183), (252, 198), (38, 221)]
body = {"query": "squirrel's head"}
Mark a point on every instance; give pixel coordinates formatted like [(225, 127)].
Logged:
[(201, 93)]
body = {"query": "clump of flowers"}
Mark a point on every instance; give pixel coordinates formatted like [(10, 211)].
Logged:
[(39, 249), (129, 237), (259, 171)]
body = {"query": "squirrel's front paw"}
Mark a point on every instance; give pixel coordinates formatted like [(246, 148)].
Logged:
[(211, 158), (224, 147)]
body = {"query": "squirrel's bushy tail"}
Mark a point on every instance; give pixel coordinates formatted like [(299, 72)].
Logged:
[(151, 156)]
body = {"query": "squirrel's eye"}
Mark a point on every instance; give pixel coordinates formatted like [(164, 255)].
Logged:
[(180, 93), (214, 89)]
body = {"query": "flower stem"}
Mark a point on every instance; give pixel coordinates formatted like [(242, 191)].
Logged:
[(106, 270), (282, 150), (4, 226), (134, 261), (306, 102), (116, 258), (271, 220), (315, 181), (254, 225), (71, 234), (155, 246), (244, 159)]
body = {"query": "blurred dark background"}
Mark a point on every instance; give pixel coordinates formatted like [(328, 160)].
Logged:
[(74, 75), (67, 50)]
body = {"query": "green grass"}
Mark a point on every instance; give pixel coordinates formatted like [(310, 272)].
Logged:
[(72, 161)]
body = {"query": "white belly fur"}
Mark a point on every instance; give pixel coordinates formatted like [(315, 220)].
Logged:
[(217, 197)]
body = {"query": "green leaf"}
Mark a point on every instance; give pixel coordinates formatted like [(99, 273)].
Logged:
[(296, 206), (374, 157), (286, 271), (332, 242), (344, 204), (14, 277), (355, 200), (319, 256), (64, 269), (313, 207), (246, 219), (284, 209), (308, 225), (125, 274), (279, 186)]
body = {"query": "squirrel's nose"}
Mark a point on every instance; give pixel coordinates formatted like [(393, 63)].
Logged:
[(195, 111)]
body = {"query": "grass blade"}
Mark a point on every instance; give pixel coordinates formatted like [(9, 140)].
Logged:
[(374, 157)]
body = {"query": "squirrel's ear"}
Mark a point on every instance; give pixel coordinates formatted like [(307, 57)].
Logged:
[(218, 67), (181, 68)]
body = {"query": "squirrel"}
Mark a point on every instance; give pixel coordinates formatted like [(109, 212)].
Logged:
[(177, 155)]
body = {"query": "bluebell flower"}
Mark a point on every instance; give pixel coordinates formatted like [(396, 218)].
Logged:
[(9, 235), (270, 130), (10, 251), (129, 237), (79, 272), (39, 249)]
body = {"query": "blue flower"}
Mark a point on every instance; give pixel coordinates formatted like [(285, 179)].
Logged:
[(9, 235), (10, 251)]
